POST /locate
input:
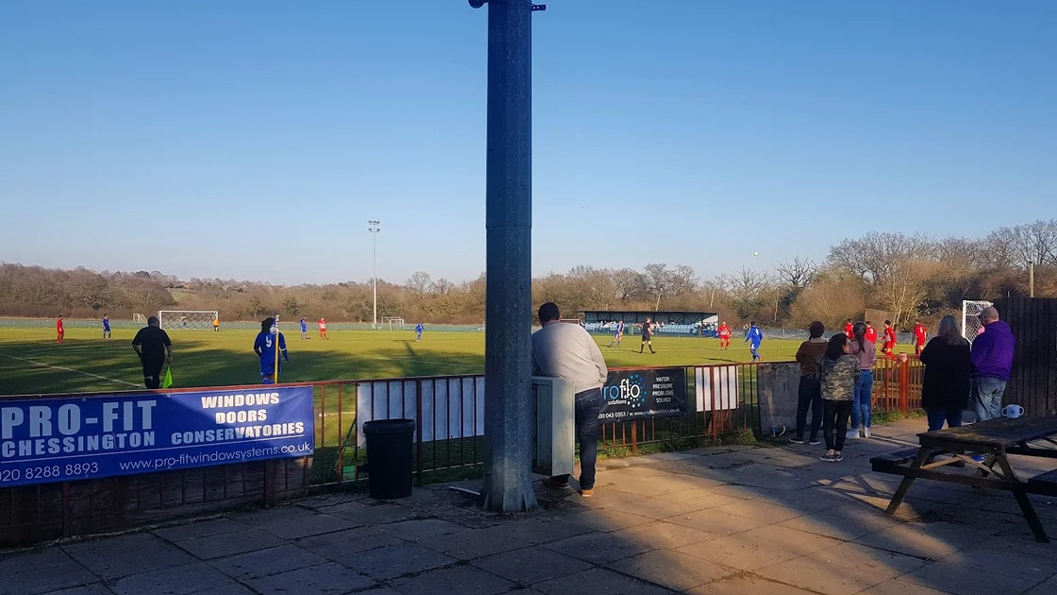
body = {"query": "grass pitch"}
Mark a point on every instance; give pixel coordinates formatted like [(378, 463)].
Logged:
[(32, 363)]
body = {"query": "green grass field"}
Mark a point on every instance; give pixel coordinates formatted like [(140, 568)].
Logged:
[(32, 363)]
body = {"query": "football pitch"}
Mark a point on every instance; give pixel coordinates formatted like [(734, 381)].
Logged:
[(32, 363)]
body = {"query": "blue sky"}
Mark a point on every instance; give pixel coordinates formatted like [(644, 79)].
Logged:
[(173, 134)]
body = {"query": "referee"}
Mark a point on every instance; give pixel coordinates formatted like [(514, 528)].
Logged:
[(154, 349)]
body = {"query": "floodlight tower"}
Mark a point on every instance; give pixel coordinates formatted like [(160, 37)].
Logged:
[(509, 423), (374, 227)]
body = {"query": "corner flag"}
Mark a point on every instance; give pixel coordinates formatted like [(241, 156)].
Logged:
[(167, 381)]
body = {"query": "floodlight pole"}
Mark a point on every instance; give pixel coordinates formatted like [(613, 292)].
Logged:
[(374, 227), (509, 423)]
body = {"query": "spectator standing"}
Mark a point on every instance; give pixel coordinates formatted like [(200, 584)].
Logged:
[(945, 385), (567, 351), (810, 392), (992, 355), (839, 375), (862, 409), (154, 349)]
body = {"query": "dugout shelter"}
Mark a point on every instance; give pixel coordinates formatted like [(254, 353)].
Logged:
[(701, 324)]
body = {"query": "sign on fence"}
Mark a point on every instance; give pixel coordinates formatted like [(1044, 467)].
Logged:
[(716, 388), (640, 394), (72, 438), (452, 407)]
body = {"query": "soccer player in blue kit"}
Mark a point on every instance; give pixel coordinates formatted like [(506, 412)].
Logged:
[(106, 326), (418, 332), (754, 337), (304, 329), (265, 346)]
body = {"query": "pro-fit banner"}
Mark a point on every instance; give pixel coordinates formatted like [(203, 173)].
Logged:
[(72, 438), (640, 394)]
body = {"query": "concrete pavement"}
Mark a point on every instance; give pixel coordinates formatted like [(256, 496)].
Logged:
[(711, 521)]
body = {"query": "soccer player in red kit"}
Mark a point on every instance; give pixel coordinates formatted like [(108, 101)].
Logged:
[(871, 333), (920, 333), (60, 331), (323, 328), (724, 336), (889, 345), (849, 329)]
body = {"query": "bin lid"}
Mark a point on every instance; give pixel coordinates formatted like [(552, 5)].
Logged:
[(388, 426)]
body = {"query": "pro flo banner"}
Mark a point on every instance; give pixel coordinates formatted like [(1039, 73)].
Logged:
[(87, 437), (641, 394)]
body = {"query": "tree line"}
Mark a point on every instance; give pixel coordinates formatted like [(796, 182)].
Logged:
[(909, 276)]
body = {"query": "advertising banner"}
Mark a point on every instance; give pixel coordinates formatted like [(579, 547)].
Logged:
[(641, 394), (87, 437)]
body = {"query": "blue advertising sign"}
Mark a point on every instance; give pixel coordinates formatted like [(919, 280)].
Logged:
[(640, 394), (72, 438)]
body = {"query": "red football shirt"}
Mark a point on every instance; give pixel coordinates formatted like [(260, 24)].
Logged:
[(890, 336), (849, 329), (58, 325), (920, 333), (871, 334)]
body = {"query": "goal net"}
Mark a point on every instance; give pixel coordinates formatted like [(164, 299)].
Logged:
[(394, 322), (187, 319), (139, 318), (971, 325)]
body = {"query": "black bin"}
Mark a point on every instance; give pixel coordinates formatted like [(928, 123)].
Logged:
[(389, 457)]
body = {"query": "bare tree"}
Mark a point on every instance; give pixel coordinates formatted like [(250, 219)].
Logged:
[(874, 256), (658, 281), (419, 283), (629, 283), (797, 273)]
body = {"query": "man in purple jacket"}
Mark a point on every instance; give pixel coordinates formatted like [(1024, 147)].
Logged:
[(992, 363)]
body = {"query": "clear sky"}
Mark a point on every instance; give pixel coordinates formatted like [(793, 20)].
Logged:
[(174, 134)]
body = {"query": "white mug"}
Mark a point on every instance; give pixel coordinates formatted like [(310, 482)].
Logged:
[(1012, 411)]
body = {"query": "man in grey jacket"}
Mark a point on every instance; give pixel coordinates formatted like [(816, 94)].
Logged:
[(567, 351)]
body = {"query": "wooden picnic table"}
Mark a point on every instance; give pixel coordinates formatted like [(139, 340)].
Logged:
[(994, 440)]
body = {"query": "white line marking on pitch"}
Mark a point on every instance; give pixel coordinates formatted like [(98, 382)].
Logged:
[(29, 361)]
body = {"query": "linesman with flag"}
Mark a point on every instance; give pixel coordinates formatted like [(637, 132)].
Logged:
[(266, 349)]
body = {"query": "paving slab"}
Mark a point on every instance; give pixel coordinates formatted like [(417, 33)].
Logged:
[(659, 535), (954, 579), (463, 580), (366, 513), (745, 585), (1047, 588), (467, 545), (229, 544), (327, 579), (715, 522), (206, 528), (343, 545), (295, 522), (23, 574), (179, 580), (767, 512), (933, 541), (531, 565), (127, 554), (542, 529), (266, 562), (756, 549), (605, 520), (838, 524), (598, 548), (899, 587), (417, 529), (672, 569), (601, 581), (397, 560), (93, 589), (842, 570)]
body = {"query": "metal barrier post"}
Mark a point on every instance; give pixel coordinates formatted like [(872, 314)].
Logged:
[(904, 387)]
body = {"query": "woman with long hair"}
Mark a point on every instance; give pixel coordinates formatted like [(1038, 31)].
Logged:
[(945, 386), (838, 373), (862, 410)]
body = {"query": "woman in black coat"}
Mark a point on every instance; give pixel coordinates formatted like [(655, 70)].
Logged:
[(945, 387)]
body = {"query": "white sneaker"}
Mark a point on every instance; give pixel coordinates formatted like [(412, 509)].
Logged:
[(866, 432), (852, 434)]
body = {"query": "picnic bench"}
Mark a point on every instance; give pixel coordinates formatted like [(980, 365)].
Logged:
[(948, 456)]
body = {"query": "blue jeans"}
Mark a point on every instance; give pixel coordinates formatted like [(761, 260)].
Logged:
[(588, 406), (987, 397), (862, 409), (953, 417)]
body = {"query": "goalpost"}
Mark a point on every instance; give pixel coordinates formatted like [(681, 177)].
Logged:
[(971, 326), (139, 318), (187, 319), (394, 322)]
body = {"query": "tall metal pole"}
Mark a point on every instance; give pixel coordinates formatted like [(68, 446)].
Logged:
[(374, 228), (1031, 279), (509, 423)]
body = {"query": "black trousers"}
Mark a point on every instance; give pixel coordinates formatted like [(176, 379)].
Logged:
[(152, 373), (835, 423), (809, 397)]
